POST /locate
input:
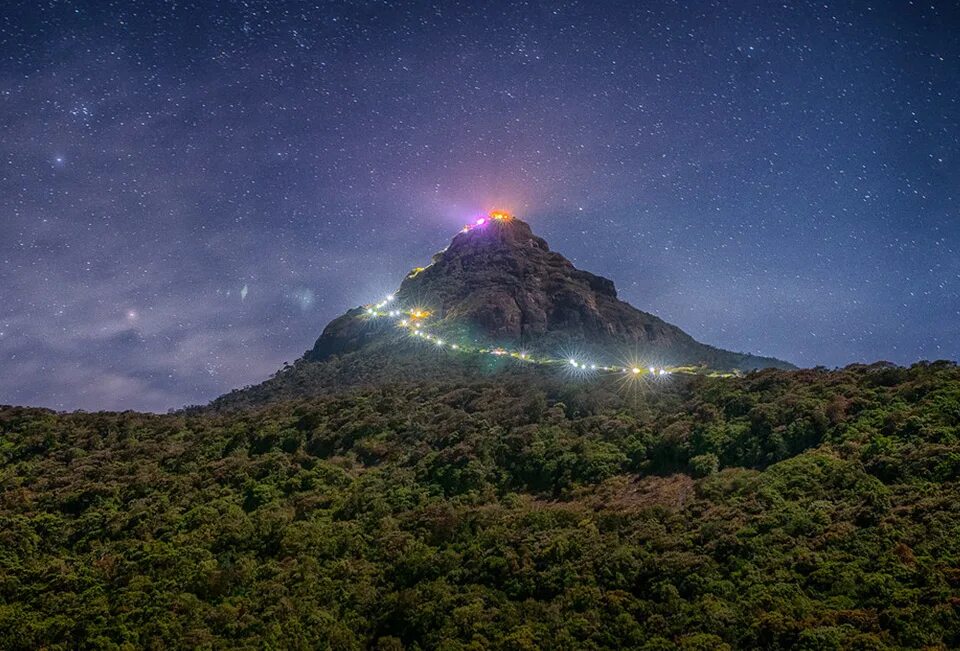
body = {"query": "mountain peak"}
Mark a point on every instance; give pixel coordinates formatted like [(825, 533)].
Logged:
[(502, 281), (498, 228), (499, 284)]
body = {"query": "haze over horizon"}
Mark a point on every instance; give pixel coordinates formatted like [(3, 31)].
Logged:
[(190, 192)]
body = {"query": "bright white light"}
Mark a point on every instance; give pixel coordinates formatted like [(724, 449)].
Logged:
[(652, 370), (593, 366), (439, 342), (455, 347), (635, 370), (573, 363)]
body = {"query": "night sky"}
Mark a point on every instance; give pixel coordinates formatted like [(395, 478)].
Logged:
[(190, 191)]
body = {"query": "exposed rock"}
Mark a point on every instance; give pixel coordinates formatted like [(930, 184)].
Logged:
[(502, 284)]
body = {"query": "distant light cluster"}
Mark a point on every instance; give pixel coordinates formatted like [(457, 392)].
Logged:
[(492, 216)]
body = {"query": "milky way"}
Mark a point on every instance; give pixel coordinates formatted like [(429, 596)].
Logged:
[(190, 191)]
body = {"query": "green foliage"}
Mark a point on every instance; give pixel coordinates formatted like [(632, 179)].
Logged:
[(704, 465), (785, 509)]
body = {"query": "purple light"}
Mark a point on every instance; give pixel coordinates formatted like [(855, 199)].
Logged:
[(481, 221)]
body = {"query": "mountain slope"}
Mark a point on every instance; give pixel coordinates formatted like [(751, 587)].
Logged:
[(502, 284), (496, 286)]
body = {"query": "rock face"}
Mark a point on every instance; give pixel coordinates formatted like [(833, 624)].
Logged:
[(502, 284)]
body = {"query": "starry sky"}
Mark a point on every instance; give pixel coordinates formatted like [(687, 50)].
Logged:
[(190, 191)]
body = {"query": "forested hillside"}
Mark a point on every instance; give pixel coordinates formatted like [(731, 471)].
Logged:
[(785, 509)]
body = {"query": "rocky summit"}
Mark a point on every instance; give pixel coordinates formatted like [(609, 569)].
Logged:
[(500, 284)]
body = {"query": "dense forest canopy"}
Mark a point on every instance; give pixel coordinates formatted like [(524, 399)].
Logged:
[(785, 509)]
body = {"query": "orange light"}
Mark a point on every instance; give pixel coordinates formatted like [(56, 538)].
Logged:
[(419, 314), (500, 215)]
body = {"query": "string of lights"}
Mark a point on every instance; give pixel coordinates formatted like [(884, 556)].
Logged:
[(414, 321)]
